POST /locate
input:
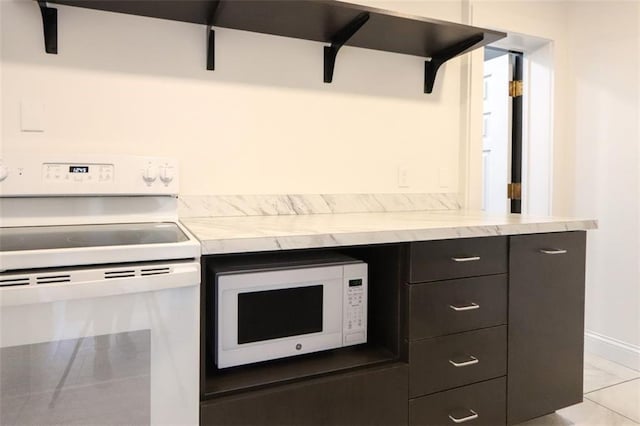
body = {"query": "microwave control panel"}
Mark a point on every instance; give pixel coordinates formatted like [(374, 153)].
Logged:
[(355, 304)]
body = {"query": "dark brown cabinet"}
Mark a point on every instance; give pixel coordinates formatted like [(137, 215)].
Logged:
[(464, 257), (372, 397), (479, 404), (457, 337), (453, 306), (456, 360), (487, 331), (546, 323)]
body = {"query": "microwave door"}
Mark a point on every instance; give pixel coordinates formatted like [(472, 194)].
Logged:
[(274, 314), (266, 315)]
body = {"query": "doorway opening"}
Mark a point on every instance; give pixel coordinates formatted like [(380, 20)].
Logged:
[(537, 104)]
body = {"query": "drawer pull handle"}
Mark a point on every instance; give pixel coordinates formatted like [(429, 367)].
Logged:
[(470, 307), (465, 259), (468, 418), (553, 251), (472, 360)]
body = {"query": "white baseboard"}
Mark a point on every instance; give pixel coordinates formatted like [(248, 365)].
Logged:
[(612, 349)]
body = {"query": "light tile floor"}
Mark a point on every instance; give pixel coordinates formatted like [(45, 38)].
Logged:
[(612, 398)]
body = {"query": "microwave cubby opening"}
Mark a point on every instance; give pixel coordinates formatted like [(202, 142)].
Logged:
[(383, 326)]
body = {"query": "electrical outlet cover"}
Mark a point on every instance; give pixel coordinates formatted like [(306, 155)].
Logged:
[(444, 177), (32, 117)]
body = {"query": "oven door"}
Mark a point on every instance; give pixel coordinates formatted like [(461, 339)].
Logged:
[(118, 350), (275, 314)]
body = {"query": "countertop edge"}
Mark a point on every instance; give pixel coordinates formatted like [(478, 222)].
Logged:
[(343, 239)]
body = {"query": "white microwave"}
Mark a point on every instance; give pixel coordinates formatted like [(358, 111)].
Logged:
[(273, 313)]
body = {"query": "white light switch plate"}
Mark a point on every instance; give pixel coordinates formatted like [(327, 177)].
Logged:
[(403, 177), (32, 116)]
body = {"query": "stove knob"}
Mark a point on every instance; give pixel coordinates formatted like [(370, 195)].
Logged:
[(4, 172), (166, 174), (149, 174)]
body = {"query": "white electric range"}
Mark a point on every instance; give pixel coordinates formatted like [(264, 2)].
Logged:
[(99, 293)]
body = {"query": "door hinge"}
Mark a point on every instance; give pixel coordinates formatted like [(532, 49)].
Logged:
[(515, 88), (514, 191)]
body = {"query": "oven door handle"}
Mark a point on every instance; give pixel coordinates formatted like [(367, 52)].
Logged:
[(94, 284)]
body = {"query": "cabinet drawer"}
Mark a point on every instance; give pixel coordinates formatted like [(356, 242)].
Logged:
[(456, 360), (370, 397), (486, 400), (453, 306), (464, 257)]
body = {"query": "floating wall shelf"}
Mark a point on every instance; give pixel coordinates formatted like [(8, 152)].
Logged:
[(325, 21)]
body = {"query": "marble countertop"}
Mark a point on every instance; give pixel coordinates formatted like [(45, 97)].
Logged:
[(240, 234)]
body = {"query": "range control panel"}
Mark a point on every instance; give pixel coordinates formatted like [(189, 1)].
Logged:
[(55, 175), (355, 304), (89, 173)]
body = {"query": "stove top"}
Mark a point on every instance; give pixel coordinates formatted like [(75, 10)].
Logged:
[(61, 211), (100, 235)]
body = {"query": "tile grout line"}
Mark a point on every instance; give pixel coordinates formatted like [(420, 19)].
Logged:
[(613, 411), (636, 373), (609, 408), (610, 386)]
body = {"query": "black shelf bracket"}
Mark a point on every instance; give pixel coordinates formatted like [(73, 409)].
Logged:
[(211, 48), (431, 67), (50, 26), (211, 38), (338, 40)]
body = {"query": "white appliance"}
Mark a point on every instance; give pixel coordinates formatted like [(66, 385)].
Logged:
[(99, 293), (276, 312)]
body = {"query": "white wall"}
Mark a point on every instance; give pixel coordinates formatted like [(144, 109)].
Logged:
[(263, 122), (605, 49)]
